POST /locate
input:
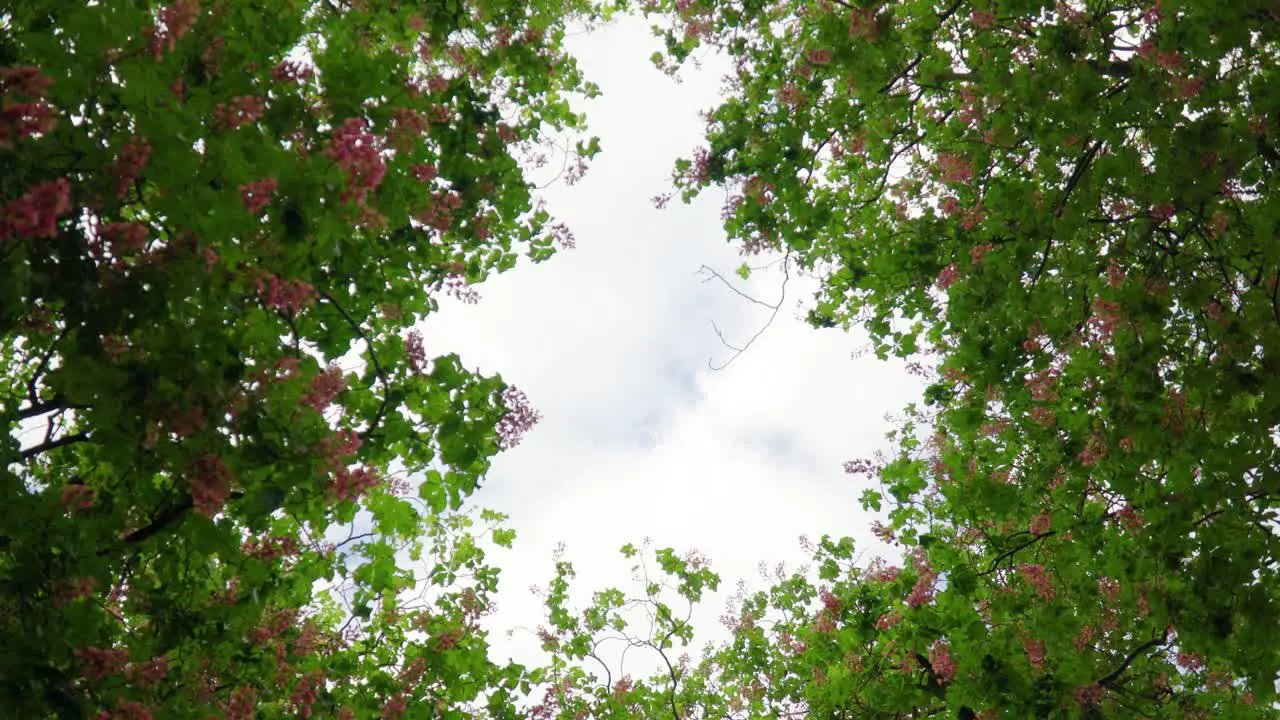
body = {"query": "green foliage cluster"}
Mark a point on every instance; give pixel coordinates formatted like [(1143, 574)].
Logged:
[(220, 222), (1068, 208)]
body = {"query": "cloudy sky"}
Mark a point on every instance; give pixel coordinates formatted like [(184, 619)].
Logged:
[(612, 343)]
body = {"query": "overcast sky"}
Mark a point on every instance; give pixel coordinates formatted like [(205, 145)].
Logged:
[(611, 341)]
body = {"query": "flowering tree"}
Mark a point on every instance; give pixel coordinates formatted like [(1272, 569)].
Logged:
[(1070, 206), (219, 222)]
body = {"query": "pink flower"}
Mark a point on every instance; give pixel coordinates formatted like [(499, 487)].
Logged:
[(888, 620), (289, 296), (519, 419), (210, 482), (820, 56), (172, 22), (25, 112), (983, 19), (423, 172), (257, 195), (102, 663), (948, 277), (415, 351), (1109, 588), (1038, 578), (242, 110), (292, 71), (954, 169), (1041, 524), (358, 153), (125, 238), (940, 659), (324, 387), (1162, 212), (1035, 653), (128, 165), (334, 449), (36, 213)]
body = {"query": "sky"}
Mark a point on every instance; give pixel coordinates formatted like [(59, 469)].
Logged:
[(613, 343)]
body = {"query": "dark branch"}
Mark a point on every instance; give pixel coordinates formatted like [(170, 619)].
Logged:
[(52, 444), (1109, 679)]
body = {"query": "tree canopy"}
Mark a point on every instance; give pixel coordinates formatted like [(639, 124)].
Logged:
[(1065, 211)]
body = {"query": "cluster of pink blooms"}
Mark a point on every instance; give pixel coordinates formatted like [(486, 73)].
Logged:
[(242, 110), (334, 449), (1042, 385), (257, 195), (423, 172), (1041, 524), (519, 418), (76, 497), (1089, 695), (270, 548), (888, 620), (1130, 518), (25, 111), (150, 673), (415, 352), (305, 693), (124, 238), (940, 660), (324, 388), (242, 705), (101, 663), (172, 22), (862, 24), (948, 276), (922, 592), (394, 707), (1038, 578), (286, 295), (128, 165), (126, 710), (954, 168), (1035, 651), (1094, 450), (983, 19), (36, 213), (210, 481), (71, 590), (353, 484), (563, 236), (406, 128), (292, 71), (359, 153)]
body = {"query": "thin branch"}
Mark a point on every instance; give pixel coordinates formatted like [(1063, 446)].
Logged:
[(1109, 679), (786, 277)]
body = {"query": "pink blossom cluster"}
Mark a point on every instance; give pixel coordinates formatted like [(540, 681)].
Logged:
[(334, 449), (922, 592), (940, 660), (1041, 524), (889, 619), (36, 213), (358, 153), (126, 710), (1038, 578), (394, 707), (563, 236), (101, 663), (150, 673), (76, 497), (954, 168), (1089, 695), (257, 195), (519, 418), (1042, 385), (286, 295), (423, 172), (324, 388), (172, 22), (71, 590), (124, 238), (25, 112), (242, 705), (862, 24), (292, 71), (242, 110), (1035, 651), (415, 352), (128, 165), (983, 19), (305, 693), (407, 127), (948, 276), (210, 482), (270, 548)]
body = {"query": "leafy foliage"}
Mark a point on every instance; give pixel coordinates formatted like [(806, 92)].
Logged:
[(220, 223), (1070, 207)]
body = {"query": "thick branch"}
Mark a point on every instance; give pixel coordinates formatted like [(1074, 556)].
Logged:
[(52, 444)]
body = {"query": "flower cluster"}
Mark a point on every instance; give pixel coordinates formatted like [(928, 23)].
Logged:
[(292, 71), (1038, 578), (290, 296), (358, 153), (128, 165), (257, 195), (36, 213), (334, 449), (172, 22), (324, 387), (519, 419), (210, 481), (101, 663), (124, 238), (940, 660), (25, 111), (415, 352), (270, 548), (954, 169), (242, 110)]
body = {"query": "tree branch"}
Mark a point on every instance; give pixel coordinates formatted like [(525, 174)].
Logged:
[(52, 444)]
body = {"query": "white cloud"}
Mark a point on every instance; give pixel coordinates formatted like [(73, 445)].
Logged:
[(611, 341)]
